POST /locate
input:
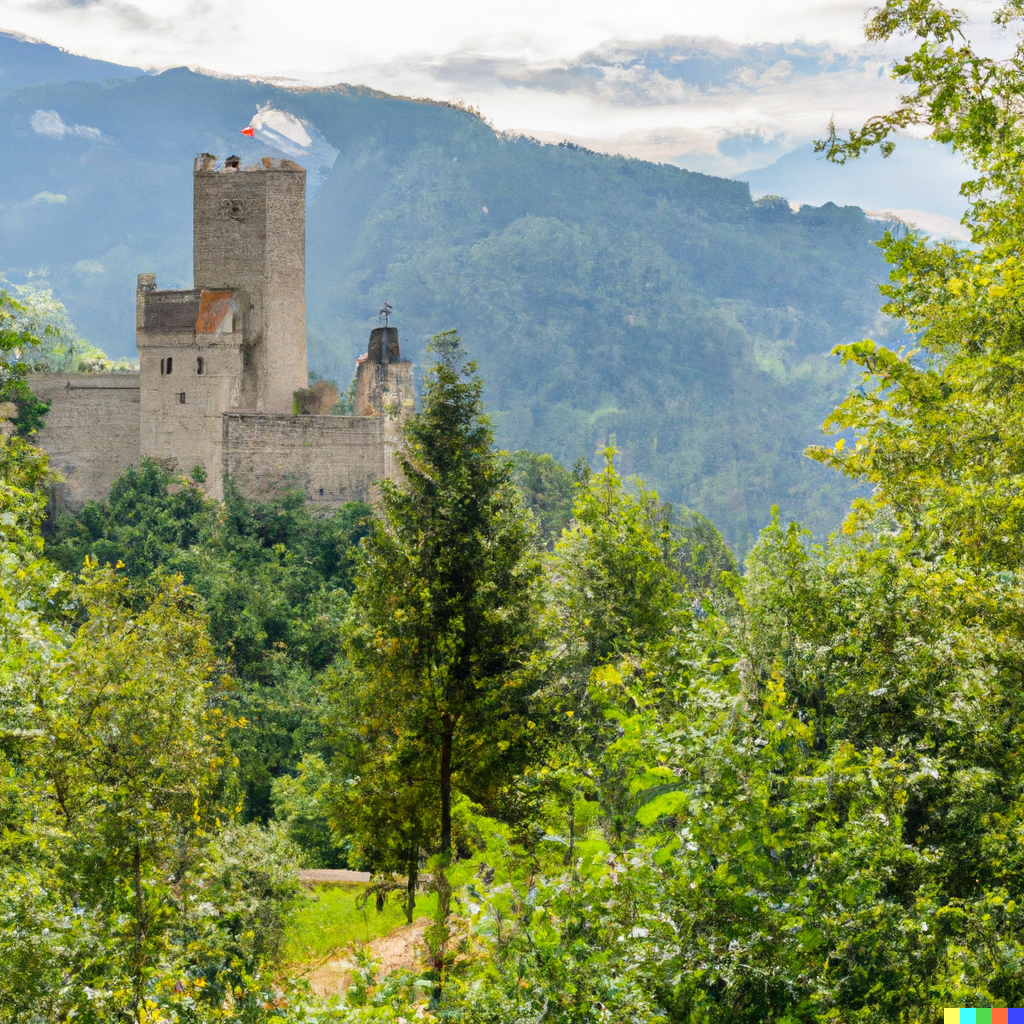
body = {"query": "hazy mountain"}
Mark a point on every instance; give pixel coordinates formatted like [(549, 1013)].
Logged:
[(602, 296), (920, 183), (28, 62)]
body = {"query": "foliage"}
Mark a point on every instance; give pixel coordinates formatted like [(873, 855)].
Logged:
[(614, 585), (59, 348), (704, 555), (112, 762), (125, 892), (547, 490), (250, 875), (824, 795), (20, 411), (443, 624), (273, 581), (301, 804)]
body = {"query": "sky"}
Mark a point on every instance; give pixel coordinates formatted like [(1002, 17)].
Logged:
[(724, 87)]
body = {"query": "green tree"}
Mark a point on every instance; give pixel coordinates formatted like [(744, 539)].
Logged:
[(301, 805), (17, 340), (547, 488), (615, 588), (121, 897), (824, 783), (444, 616), (121, 743)]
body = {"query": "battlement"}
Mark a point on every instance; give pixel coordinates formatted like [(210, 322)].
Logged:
[(208, 163)]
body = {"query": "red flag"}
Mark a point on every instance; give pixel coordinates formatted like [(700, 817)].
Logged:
[(249, 131)]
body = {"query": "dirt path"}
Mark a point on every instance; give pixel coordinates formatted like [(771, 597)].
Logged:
[(332, 876), (401, 948)]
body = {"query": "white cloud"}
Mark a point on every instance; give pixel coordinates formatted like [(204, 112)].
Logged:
[(924, 220), (50, 124), (285, 128), (306, 39)]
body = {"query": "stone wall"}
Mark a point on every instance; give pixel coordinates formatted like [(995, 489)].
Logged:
[(92, 429), (333, 459)]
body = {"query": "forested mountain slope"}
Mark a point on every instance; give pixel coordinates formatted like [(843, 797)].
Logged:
[(602, 296)]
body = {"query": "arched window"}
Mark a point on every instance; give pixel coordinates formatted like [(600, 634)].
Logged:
[(199, 365), (170, 363), (163, 369)]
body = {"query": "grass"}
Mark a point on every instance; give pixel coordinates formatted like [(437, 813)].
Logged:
[(330, 920)]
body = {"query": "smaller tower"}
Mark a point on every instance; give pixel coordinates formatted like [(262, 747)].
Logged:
[(384, 388)]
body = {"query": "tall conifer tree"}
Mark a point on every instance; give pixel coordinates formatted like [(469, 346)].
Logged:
[(444, 618)]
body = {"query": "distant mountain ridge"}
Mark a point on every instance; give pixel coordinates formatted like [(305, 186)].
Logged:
[(603, 297), (25, 61)]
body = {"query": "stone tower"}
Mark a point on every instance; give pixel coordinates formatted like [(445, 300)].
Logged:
[(249, 235)]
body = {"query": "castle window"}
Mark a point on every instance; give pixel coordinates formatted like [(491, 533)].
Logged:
[(162, 368), (181, 397), (321, 492), (199, 365), (170, 362)]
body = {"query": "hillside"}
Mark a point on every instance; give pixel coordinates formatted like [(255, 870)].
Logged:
[(602, 296)]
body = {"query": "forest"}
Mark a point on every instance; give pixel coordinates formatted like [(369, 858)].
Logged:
[(624, 776)]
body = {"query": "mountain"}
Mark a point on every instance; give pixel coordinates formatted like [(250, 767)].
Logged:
[(919, 183), (603, 297), (26, 61)]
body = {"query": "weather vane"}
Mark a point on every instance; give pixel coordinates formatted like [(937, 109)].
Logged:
[(386, 312)]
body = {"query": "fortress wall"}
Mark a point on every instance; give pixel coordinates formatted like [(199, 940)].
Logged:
[(92, 429), (333, 459)]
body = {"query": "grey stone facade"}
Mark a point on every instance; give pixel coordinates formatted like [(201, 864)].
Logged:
[(220, 365)]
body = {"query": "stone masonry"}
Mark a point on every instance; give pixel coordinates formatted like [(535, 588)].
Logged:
[(220, 365)]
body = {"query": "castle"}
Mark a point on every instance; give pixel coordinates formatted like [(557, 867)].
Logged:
[(221, 386)]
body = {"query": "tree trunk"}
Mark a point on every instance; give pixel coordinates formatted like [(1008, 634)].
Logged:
[(439, 934), (411, 881), (140, 936), (446, 796)]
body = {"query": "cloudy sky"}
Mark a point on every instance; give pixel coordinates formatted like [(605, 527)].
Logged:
[(723, 87)]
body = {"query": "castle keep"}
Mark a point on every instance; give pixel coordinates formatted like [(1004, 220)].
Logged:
[(222, 365)]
